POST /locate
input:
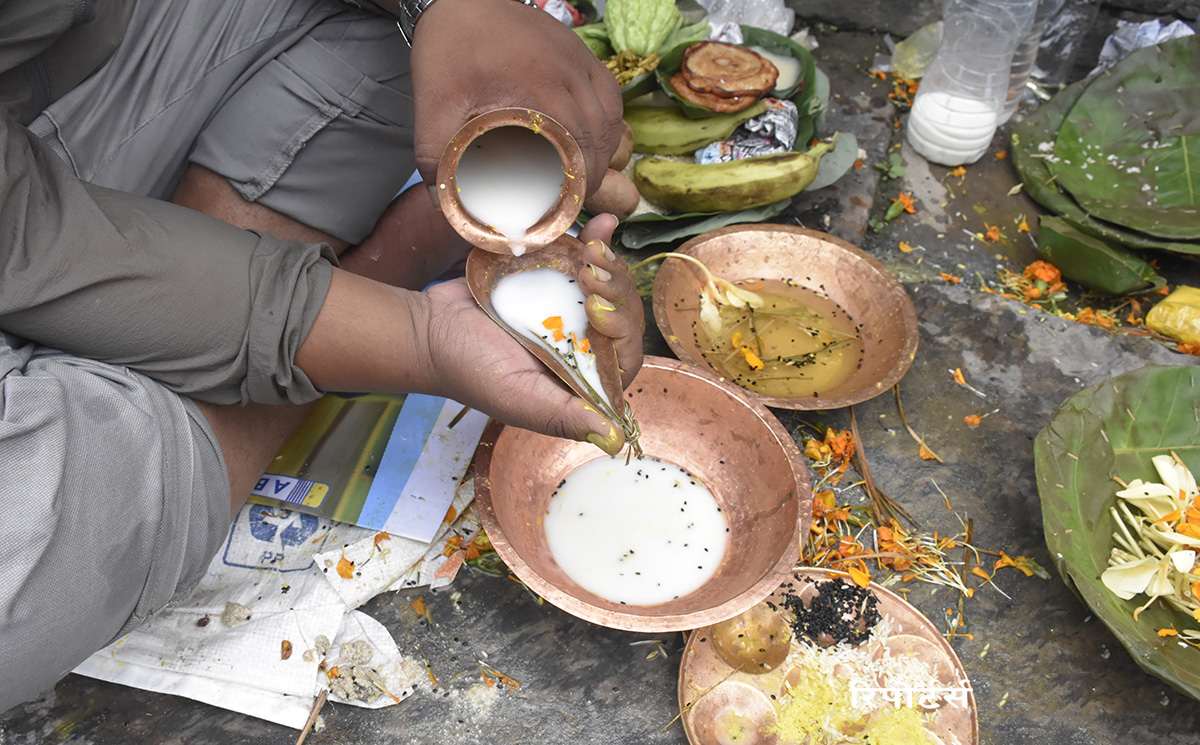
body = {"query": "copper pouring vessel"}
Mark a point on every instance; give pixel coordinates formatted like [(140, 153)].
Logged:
[(555, 221), (484, 272), (713, 429)]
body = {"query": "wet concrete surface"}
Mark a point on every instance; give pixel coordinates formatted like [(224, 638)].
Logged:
[(1044, 669)]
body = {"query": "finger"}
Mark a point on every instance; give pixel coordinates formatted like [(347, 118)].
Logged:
[(597, 99), (624, 328), (597, 137), (608, 277), (613, 306), (556, 411), (594, 427), (599, 228)]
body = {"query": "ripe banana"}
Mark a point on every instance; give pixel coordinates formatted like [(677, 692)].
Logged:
[(661, 130), (727, 187)]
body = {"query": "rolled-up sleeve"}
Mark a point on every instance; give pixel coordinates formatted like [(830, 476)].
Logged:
[(211, 311)]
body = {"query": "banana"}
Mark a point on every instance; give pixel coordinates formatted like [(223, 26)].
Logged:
[(727, 187), (661, 130)]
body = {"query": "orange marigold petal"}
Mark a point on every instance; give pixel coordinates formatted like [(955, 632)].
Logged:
[(859, 574)]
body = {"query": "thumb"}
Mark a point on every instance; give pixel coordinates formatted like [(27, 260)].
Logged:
[(583, 422)]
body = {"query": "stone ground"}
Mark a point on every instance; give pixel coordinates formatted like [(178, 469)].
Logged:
[(1043, 668)]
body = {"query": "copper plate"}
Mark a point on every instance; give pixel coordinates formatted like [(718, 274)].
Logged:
[(555, 222), (714, 430), (815, 261), (484, 272), (734, 673)]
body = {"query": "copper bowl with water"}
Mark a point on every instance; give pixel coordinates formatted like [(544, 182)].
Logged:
[(811, 261), (716, 431)]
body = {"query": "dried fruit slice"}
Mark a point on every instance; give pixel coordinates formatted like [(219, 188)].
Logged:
[(727, 70), (710, 101)]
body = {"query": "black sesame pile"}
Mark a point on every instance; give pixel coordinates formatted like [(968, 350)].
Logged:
[(840, 611)]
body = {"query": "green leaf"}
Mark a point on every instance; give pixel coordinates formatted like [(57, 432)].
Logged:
[(640, 85), (837, 162), (690, 33), (1128, 151), (1113, 429), (1082, 258), (595, 36), (1032, 146), (891, 168), (650, 228)]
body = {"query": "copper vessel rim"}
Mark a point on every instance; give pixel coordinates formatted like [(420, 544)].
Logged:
[(633, 620), (927, 632), (903, 322), (555, 222)]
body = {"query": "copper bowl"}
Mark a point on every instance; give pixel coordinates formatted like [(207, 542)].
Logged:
[(735, 673), (811, 260), (688, 417), (556, 220)]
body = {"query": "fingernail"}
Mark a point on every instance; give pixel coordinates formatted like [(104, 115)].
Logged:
[(602, 305), (600, 274), (607, 252), (607, 444)]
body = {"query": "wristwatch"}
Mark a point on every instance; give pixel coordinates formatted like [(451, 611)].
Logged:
[(411, 10)]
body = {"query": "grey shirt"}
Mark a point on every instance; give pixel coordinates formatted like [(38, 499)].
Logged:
[(118, 308), (211, 311)]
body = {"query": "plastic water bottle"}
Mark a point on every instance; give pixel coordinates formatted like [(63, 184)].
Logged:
[(963, 94), (1025, 56)]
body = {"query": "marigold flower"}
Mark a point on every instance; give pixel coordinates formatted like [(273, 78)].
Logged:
[(1044, 271), (907, 202)]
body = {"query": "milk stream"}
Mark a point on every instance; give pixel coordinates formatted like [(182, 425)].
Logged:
[(509, 178), (525, 300), (638, 534)]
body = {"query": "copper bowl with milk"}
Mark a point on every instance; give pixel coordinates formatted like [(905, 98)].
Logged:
[(701, 529), (511, 180)]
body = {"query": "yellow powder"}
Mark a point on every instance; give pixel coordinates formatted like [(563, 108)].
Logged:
[(811, 710), (900, 725)]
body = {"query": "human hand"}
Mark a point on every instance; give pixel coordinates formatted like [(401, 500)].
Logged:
[(475, 362), (472, 56)]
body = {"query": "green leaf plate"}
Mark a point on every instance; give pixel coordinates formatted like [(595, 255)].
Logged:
[(1113, 429), (1128, 151), (651, 228), (1032, 146)]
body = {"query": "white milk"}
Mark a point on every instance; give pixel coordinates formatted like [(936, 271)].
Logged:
[(951, 130), (638, 534), (788, 66), (509, 178), (525, 300)]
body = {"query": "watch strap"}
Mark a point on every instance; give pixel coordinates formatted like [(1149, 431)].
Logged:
[(410, 12)]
